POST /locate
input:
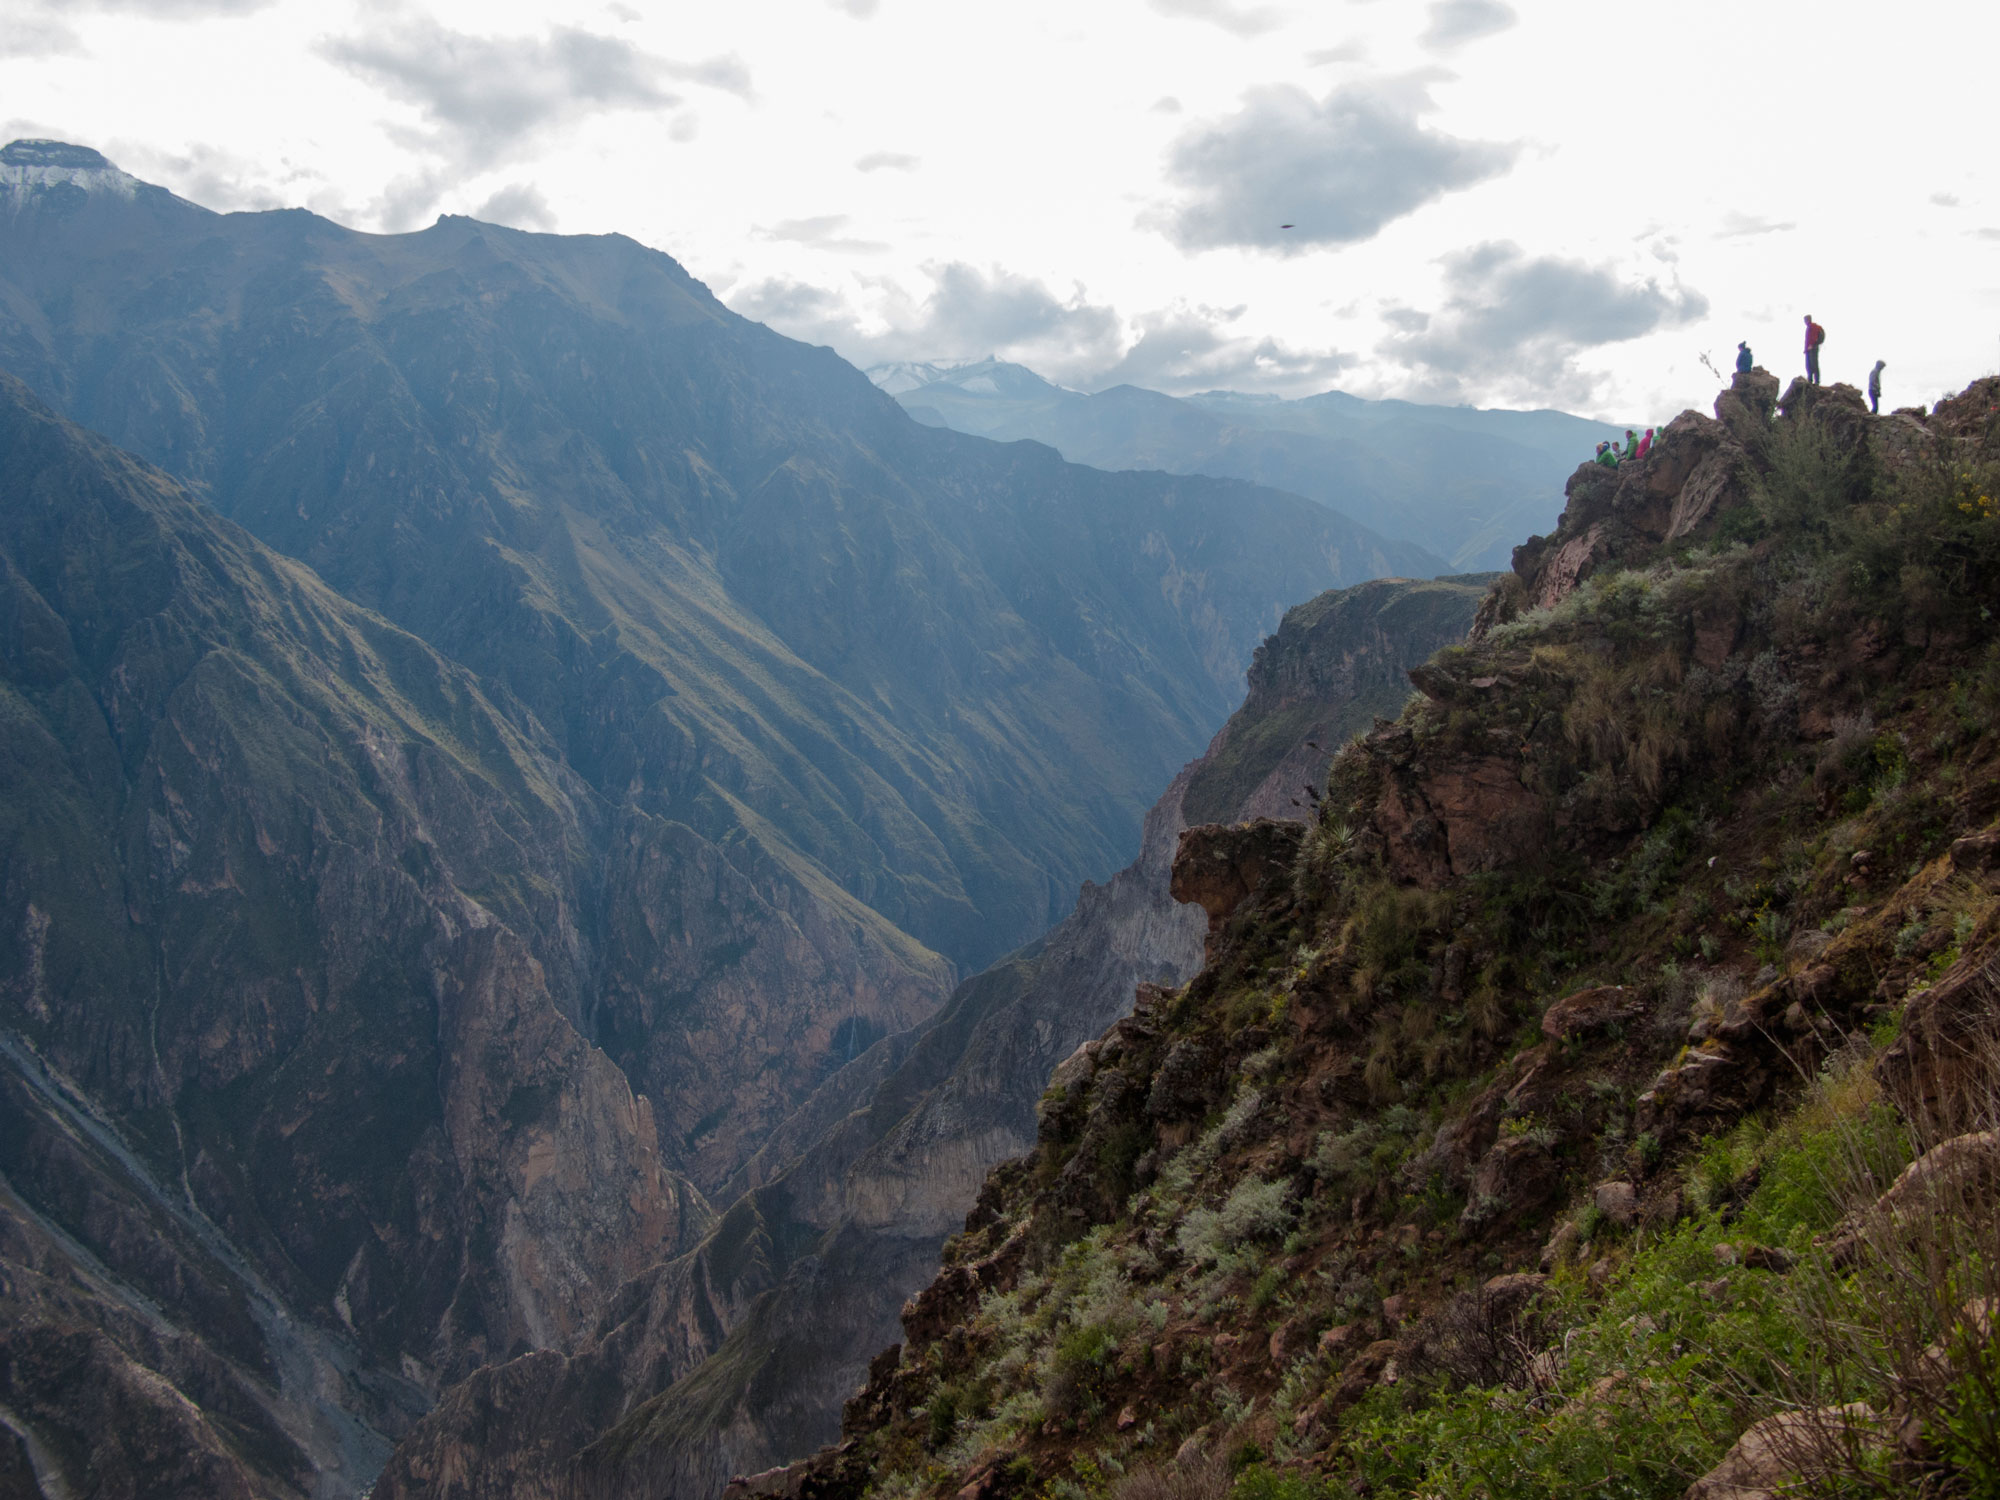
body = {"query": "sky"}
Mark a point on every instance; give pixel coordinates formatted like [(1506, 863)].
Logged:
[(1565, 203)]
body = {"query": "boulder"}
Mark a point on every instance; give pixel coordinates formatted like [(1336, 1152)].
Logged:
[(1590, 1010), (1774, 1456), (1618, 1202), (1507, 1296)]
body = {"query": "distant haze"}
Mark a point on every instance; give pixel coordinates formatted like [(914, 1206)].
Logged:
[(1465, 483)]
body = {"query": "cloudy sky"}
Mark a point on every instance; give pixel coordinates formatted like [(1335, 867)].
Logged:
[(1507, 202)]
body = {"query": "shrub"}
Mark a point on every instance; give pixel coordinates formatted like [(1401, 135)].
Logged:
[(1254, 1210)]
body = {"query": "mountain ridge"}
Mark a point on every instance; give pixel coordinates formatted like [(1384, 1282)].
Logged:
[(1484, 478)]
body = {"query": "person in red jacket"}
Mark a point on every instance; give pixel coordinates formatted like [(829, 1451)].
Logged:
[(1815, 336)]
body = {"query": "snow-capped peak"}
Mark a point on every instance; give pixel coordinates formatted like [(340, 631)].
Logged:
[(31, 167)]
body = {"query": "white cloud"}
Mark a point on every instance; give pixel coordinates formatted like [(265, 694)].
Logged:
[(1242, 20), (1456, 22)]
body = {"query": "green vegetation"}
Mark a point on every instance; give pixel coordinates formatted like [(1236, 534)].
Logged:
[(1527, 1140)]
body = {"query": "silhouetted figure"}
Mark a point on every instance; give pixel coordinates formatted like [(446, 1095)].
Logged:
[(1815, 336), (1875, 386), (1744, 363)]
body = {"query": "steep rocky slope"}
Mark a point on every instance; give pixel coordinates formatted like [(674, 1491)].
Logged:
[(1461, 481), (290, 979), (1503, 1144), (866, 695), (741, 1354)]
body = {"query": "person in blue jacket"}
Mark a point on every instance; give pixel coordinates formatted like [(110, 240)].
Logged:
[(1744, 362)]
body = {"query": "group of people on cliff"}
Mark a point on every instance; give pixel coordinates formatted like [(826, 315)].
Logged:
[(1612, 454), (1815, 336)]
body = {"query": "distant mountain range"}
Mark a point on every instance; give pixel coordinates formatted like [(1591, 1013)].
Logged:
[(1455, 479)]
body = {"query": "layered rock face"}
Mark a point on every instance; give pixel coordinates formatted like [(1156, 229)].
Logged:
[(740, 1355), (290, 971)]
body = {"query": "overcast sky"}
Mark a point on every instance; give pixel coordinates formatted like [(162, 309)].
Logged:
[(1506, 202)]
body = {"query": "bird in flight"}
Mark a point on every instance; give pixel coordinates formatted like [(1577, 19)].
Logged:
[(1288, 226)]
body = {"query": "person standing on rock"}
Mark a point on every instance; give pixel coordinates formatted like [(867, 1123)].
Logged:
[(1815, 336), (1875, 387), (1744, 363)]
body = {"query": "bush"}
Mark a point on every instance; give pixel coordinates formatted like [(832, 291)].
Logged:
[(1254, 1210)]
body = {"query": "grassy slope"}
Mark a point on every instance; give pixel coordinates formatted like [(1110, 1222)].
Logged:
[(1258, 1225)]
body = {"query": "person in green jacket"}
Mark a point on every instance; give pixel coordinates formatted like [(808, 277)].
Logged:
[(1607, 455)]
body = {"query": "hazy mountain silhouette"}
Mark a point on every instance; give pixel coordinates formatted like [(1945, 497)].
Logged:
[(1459, 480)]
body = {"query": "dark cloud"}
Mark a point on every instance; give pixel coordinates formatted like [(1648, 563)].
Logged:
[(1243, 20), (969, 313), (484, 95), (1184, 349), (38, 34), (1456, 22), (1337, 168), (213, 177), (887, 161), (1517, 323), (729, 74), (519, 205), (41, 28), (482, 99), (172, 10), (822, 233)]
